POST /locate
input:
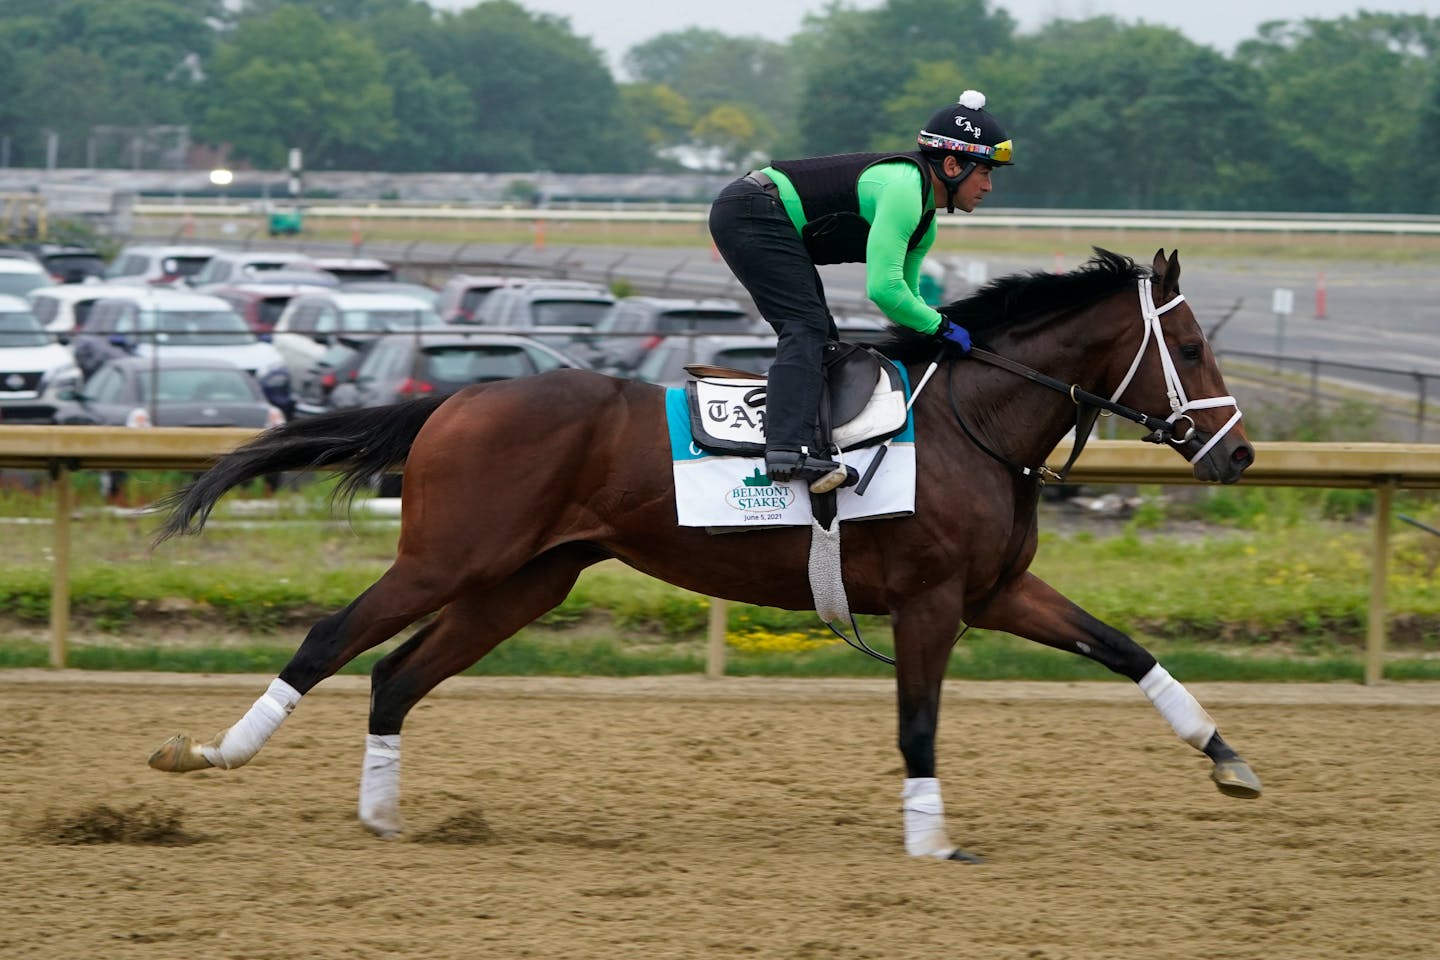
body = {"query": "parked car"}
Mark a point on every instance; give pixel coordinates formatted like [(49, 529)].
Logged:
[(239, 266), (298, 275), (21, 274), (442, 362), (438, 362), (69, 263), (348, 269), (168, 392), (62, 309), (634, 325), (558, 313), (418, 290), (318, 319), (158, 264), (32, 365), (665, 363), (864, 328), (172, 323), (545, 303), (260, 304), (462, 295), (335, 365)]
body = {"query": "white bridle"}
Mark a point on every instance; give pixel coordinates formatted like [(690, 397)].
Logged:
[(1174, 389)]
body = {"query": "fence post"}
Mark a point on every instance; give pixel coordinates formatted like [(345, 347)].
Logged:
[(1379, 566), (60, 582), (715, 652), (1423, 381)]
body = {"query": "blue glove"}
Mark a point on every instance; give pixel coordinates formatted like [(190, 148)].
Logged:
[(951, 333)]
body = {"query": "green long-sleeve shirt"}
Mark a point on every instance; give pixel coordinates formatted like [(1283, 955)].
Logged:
[(890, 201)]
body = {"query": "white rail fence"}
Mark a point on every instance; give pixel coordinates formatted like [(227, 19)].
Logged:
[(1383, 467)]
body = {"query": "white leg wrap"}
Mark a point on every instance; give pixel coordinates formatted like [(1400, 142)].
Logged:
[(1192, 724), (380, 785), (925, 819), (237, 745)]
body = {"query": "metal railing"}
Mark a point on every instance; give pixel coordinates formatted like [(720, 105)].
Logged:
[(1329, 381)]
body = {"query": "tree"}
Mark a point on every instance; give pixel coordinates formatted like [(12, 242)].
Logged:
[(149, 39), (708, 69), (82, 63), (434, 121), (290, 79), (543, 97), (1426, 172), (730, 133), (1346, 97), (855, 61), (662, 116), (1109, 114)]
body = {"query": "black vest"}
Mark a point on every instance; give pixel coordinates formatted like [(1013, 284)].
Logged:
[(834, 231)]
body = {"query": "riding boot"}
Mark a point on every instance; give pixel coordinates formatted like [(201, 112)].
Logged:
[(822, 475), (791, 410)]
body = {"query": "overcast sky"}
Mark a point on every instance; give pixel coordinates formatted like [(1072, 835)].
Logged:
[(616, 25)]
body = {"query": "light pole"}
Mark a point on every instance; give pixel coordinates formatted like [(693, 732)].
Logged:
[(222, 178)]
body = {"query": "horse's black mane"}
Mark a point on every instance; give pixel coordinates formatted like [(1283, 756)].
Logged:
[(1010, 301)]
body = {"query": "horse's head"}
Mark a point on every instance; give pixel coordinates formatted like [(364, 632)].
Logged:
[(1174, 376)]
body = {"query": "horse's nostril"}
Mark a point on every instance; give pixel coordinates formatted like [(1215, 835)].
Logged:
[(1243, 456)]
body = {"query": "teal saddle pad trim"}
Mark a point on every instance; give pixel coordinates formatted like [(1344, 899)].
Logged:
[(682, 444)]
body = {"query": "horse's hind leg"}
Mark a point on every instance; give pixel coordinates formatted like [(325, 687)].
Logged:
[(1031, 608), (400, 597), (470, 627)]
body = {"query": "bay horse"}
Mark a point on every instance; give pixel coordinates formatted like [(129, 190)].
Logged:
[(512, 488)]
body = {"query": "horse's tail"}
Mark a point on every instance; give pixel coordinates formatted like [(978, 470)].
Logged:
[(355, 444)]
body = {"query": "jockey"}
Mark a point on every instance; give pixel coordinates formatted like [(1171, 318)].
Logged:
[(774, 225)]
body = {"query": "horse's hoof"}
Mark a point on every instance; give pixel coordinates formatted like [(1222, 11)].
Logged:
[(382, 819), (383, 830), (179, 754), (1236, 779), (960, 856), (956, 855)]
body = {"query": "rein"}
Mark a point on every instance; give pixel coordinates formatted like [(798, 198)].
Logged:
[(1088, 407), (1092, 405)]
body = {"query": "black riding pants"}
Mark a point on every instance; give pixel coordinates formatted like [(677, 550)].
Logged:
[(763, 249)]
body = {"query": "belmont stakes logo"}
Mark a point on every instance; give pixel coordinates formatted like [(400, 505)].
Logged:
[(758, 494)]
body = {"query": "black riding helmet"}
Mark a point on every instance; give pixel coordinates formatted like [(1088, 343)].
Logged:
[(967, 131)]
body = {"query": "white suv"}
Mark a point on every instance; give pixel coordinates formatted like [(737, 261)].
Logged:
[(33, 367), (62, 309), (142, 322), (158, 264), (239, 266), (19, 275), (314, 321)]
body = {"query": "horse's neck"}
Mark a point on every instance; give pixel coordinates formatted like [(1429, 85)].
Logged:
[(1017, 418)]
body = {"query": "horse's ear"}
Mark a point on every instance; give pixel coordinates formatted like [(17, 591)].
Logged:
[(1158, 265), (1172, 274), (1166, 273)]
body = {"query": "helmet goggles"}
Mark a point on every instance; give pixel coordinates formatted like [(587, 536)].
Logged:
[(999, 153)]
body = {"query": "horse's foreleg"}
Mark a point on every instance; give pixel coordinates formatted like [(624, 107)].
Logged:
[(1033, 609), (466, 630), (394, 601), (924, 636)]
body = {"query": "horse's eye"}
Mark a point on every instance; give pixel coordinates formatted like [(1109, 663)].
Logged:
[(1190, 351)]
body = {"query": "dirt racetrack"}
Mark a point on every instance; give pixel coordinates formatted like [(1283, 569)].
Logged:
[(735, 818)]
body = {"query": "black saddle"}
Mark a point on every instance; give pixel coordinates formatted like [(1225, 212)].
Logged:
[(850, 371)]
